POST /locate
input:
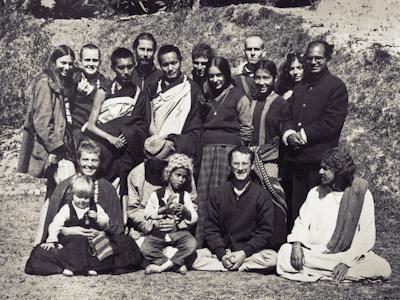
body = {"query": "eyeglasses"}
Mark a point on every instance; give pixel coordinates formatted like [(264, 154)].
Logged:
[(317, 58)]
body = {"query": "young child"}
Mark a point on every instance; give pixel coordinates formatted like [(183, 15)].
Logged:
[(171, 202), (82, 212)]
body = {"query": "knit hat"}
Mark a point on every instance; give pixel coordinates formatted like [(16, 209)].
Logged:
[(155, 146), (176, 161)]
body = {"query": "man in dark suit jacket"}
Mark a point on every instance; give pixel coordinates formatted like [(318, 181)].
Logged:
[(312, 125)]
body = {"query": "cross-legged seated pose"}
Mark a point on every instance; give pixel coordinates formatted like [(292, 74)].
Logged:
[(126, 255), (171, 202), (240, 221), (334, 234)]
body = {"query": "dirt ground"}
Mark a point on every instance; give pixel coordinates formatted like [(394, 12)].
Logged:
[(363, 22)]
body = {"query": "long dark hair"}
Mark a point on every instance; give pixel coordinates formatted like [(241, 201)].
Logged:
[(223, 65), (270, 67), (64, 84), (285, 81)]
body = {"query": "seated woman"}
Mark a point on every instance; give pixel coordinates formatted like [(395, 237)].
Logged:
[(293, 70), (46, 137), (266, 112), (227, 124), (126, 255)]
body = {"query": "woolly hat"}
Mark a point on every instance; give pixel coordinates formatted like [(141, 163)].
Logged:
[(177, 161), (155, 146)]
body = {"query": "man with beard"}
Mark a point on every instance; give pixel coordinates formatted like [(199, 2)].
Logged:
[(201, 54), (145, 72), (254, 51), (240, 221), (173, 107), (311, 125), (335, 232)]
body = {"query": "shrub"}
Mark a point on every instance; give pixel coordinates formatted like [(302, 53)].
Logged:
[(24, 47)]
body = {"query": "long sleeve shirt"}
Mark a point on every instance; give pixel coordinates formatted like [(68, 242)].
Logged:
[(317, 221), (64, 214)]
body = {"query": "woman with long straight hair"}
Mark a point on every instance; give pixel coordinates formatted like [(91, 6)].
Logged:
[(46, 138), (226, 125)]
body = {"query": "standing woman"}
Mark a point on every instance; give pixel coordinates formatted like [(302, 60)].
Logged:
[(227, 124), (267, 110), (293, 70), (46, 139)]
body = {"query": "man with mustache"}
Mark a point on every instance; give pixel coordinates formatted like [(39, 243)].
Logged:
[(335, 232), (239, 224), (145, 72), (173, 107), (311, 125)]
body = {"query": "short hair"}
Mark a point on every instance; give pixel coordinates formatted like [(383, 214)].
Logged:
[(82, 186), (144, 36), (89, 46), (90, 146), (340, 162), (120, 53), (202, 50), (258, 37), (267, 65), (328, 48), (167, 49), (241, 149)]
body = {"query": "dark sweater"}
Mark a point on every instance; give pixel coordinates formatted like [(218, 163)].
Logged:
[(239, 224), (143, 79), (319, 105)]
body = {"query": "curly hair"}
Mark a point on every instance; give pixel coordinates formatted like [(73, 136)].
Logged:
[(340, 162), (202, 50), (285, 82)]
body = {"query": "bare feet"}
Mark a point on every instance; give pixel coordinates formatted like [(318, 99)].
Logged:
[(68, 273), (182, 270), (92, 273), (152, 269)]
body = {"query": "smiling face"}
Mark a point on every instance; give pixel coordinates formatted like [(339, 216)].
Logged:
[(81, 202), (263, 80), (88, 163), (241, 165), (199, 65), (296, 70), (254, 49), (123, 68), (170, 65), (178, 178), (216, 79), (316, 58), (327, 175), (145, 52), (64, 65), (90, 61)]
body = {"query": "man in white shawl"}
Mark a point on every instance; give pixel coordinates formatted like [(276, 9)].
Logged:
[(174, 106), (334, 234)]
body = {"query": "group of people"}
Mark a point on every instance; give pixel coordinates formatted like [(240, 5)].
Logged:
[(158, 171)]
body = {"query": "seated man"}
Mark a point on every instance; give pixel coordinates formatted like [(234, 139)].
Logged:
[(173, 109), (254, 51), (334, 234), (240, 220)]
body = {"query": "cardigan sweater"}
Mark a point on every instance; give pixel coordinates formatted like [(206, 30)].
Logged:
[(239, 223), (319, 106)]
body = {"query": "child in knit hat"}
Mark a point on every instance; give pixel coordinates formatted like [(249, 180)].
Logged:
[(171, 201)]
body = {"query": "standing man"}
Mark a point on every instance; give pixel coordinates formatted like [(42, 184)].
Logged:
[(201, 55), (174, 106), (335, 232), (240, 221), (254, 51), (145, 72), (311, 125)]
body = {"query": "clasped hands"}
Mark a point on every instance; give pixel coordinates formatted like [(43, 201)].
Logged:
[(233, 260), (295, 140)]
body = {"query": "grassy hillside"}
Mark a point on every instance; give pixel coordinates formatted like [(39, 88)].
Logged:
[(371, 133)]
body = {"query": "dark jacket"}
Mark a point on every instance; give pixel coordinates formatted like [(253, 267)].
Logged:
[(144, 80), (319, 106), (44, 127), (239, 224)]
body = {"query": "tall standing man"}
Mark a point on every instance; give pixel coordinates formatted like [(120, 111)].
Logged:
[(145, 72), (311, 125), (254, 51)]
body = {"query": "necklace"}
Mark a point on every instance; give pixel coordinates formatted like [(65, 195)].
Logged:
[(219, 103)]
